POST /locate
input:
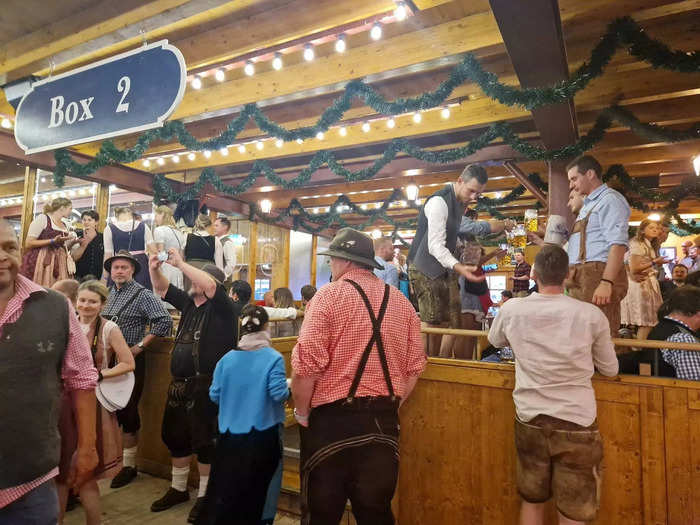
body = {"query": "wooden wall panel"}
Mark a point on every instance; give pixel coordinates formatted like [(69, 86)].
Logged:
[(678, 468)]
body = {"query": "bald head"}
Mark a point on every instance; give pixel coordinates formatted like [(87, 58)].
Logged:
[(9, 255)]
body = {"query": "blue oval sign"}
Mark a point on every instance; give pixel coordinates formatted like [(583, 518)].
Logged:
[(123, 94)]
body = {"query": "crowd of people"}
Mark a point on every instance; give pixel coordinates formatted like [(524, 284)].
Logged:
[(358, 355)]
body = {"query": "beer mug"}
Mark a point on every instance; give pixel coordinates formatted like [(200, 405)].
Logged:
[(519, 237), (531, 220)]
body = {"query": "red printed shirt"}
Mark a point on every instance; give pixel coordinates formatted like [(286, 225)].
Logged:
[(336, 330), (78, 370)]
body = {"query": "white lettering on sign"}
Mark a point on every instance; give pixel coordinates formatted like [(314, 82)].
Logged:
[(70, 115), (124, 85)]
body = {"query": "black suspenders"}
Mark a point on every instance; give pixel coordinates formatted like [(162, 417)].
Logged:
[(376, 338)]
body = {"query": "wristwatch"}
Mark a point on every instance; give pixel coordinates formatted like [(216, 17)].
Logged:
[(140, 345)]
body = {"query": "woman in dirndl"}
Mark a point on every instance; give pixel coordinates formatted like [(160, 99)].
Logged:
[(202, 248), (130, 234), (112, 357), (46, 258)]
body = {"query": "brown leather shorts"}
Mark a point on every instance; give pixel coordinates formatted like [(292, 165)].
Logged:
[(438, 299), (560, 458)]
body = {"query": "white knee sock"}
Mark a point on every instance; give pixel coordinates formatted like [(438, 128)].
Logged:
[(203, 482), (129, 457), (180, 475)]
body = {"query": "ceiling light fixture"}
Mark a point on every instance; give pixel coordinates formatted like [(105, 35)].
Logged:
[(266, 205), (309, 52), (220, 75), (411, 192), (390, 123), (197, 82), (207, 154), (340, 43), (417, 117), (342, 131), (401, 11), (445, 113), (191, 156), (376, 31), (277, 61), (249, 68), (365, 127)]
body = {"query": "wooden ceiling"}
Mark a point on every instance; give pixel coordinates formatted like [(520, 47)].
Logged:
[(413, 56)]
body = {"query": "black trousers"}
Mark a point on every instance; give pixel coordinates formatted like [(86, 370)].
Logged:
[(241, 473), (350, 453), (128, 417)]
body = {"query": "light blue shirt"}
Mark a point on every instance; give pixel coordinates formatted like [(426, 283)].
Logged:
[(389, 274), (475, 228), (250, 388), (608, 225)]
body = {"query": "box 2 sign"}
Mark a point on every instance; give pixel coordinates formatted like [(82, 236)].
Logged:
[(124, 94)]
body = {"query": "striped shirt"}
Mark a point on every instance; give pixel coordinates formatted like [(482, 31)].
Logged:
[(78, 372), (141, 311)]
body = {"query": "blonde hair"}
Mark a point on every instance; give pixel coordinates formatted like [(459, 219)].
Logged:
[(97, 287), (167, 213), (119, 210), (283, 298), (202, 223), (57, 204)]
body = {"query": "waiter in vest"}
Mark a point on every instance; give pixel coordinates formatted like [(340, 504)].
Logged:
[(598, 241), (433, 267), (358, 356)]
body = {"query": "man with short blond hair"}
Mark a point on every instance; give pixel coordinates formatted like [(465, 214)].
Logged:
[(558, 342)]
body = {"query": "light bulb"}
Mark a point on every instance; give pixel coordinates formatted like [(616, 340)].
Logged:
[(363, 206), (319, 135), (249, 68), (176, 159), (376, 31), (445, 113), (277, 62), (71, 193), (411, 192), (146, 164), (241, 149), (696, 165), (342, 131), (401, 11), (197, 82), (191, 156), (43, 179), (299, 141), (366, 127), (309, 52), (341, 44), (279, 143), (160, 161), (259, 145), (6, 123), (315, 210), (220, 75), (654, 217), (376, 233), (224, 151), (390, 123), (266, 205), (417, 117), (207, 154)]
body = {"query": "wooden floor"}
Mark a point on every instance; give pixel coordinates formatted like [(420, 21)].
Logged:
[(132, 505)]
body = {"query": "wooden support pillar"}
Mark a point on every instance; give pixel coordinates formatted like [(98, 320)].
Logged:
[(102, 205), (559, 191), (286, 241), (253, 255), (314, 259), (27, 202)]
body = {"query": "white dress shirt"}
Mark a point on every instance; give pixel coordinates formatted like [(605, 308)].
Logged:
[(436, 212)]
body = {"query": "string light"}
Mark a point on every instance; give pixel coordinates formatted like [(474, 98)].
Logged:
[(249, 68), (279, 143), (401, 11), (277, 61), (176, 159), (299, 141), (223, 151), (160, 161), (342, 131), (259, 145), (363, 206), (390, 123), (241, 149), (207, 154), (191, 156), (445, 113), (376, 31), (309, 52), (654, 217), (365, 127), (417, 117), (220, 75), (6, 123), (340, 43), (197, 82), (266, 205), (146, 164), (696, 165), (376, 233), (320, 135)]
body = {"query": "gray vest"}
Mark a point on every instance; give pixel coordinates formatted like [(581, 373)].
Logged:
[(419, 254), (31, 359)]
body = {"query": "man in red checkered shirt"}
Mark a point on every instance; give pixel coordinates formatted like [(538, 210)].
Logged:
[(358, 357)]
